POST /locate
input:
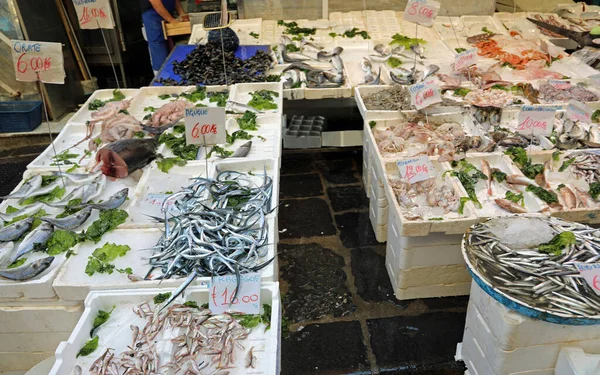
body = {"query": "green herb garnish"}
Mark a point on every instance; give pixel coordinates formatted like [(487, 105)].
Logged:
[(101, 318), (498, 175), (254, 35), (165, 96), (252, 321), (459, 50), (161, 297), (486, 30), (596, 116), (108, 220), (468, 175), (165, 164), (18, 263), (178, 146), (219, 150), (372, 124), (291, 48), (238, 134), (566, 164), (89, 347), (192, 304), (149, 108), (100, 261), (196, 96), (56, 193), (461, 91), (394, 62), (556, 155), (594, 190), (519, 156), (556, 244), (516, 198), (95, 104), (219, 97), (405, 41), (545, 195), (354, 32), (263, 100), (63, 158), (61, 241)]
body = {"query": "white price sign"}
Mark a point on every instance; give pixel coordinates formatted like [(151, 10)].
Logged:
[(35, 61), (224, 288), (205, 125), (424, 94), (416, 169), (591, 274), (465, 59), (536, 120), (422, 12), (578, 111), (94, 14)]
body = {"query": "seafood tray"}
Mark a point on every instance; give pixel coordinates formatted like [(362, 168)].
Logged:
[(69, 136), (73, 284), (243, 28), (409, 29), (475, 24), (290, 94), (356, 76), (449, 27), (240, 93), (304, 132), (116, 334), (84, 114), (382, 25)]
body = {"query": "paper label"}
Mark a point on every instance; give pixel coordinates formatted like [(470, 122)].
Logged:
[(465, 59), (38, 59), (94, 14), (558, 84), (536, 120), (205, 125), (416, 169), (591, 274), (223, 289), (424, 94), (422, 12), (578, 111)]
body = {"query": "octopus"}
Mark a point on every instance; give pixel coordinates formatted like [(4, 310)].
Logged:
[(169, 113)]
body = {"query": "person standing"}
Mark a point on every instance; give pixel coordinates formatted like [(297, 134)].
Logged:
[(153, 13)]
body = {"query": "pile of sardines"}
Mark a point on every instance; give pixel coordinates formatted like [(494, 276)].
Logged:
[(540, 276)]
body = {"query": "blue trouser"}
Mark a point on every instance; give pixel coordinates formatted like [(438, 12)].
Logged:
[(159, 48)]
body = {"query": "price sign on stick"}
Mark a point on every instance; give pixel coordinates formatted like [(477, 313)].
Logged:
[(591, 274), (465, 59), (416, 169), (94, 14), (205, 125), (422, 12), (223, 288), (536, 120), (35, 61), (578, 111), (424, 94)]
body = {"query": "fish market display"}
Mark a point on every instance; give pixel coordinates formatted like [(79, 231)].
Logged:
[(426, 200), (517, 52), (392, 99), (569, 134), (120, 159), (110, 110), (490, 98), (169, 113), (27, 271), (532, 261), (317, 76), (549, 94), (586, 166), (120, 126)]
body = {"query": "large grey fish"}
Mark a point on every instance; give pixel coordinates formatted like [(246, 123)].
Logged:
[(243, 150), (6, 250), (16, 230), (78, 178), (70, 222), (46, 189), (94, 189), (38, 237), (76, 193), (29, 210), (113, 202), (121, 158), (29, 186), (27, 271)]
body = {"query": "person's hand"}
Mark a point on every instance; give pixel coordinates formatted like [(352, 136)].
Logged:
[(184, 17), (172, 20)]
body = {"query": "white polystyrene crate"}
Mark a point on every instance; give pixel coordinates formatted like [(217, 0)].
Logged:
[(574, 361), (31, 341), (427, 291), (243, 27), (11, 361), (116, 332), (380, 214), (268, 32), (32, 317), (84, 114), (68, 137), (449, 27), (377, 191), (198, 35), (475, 24), (379, 230), (369, 115), (356, 76), (365, 178), (421, 276), (290, 94), (73, 284), (240, 93), (512, 330), (433, 239), (426, 256)]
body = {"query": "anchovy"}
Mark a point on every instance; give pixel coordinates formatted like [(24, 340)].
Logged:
[(16, 230), (26, 189), (38, 237), (70, 222), (28, 210), (78, 178), (113, 202), (27, 271)]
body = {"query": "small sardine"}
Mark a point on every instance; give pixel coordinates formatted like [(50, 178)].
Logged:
[(337, 63), (27, 271), (38, 237), (72, 221), (243, 150), (510, 206), (78, 178), (16, 230), (519, 180), (94, 189), (26, 189), (29, 210), (114, 201), (239, 107), (76, 193)]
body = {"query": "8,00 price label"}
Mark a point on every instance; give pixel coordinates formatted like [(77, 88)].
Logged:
[(205, 125), (35, 61), (422, 12)]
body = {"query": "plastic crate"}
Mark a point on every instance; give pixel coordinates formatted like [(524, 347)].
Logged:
[(20, 116)]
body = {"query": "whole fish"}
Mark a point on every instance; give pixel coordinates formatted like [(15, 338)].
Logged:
[(123, 157), (380, 58), (16, 230), (38, 237), (510, 206), (310, 44), (334, 77), (78, 178), (46, 189), (337, 63), (239, 107), (27, 271), (568, 197), (519, 180), (243, 150), (29, 210), (365, 65), (380, 49), (6, 250), (27, 188), (487, 171), (418, 50), (94, 189), (70, 222), (76, 193), (115, 201)]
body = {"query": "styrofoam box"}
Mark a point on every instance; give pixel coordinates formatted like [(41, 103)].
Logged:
[(30, 317), (68, 137), (377, 191), (574, 361), (379, 213), (240, 93), (425, 256), (73, 284), (511, 330), (380, 230), (117, 335), (18, 361), (421, 276), (243, 27), (31, 342), (84, 114)]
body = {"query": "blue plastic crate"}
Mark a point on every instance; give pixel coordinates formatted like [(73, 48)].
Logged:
[(20, 116)]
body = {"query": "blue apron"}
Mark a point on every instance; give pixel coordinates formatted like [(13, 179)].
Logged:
[(159, 48)]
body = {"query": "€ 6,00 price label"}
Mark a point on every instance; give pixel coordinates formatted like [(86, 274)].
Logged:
[(424, 94), (536, 120), (578, 111), (465, 59), (422, 12), (35, 61), (223, 289), (416, 169), (591, 274), (205, 125), (94, 14)]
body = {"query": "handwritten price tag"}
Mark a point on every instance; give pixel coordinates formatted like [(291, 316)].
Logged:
[(223, 289), (422, 12), (205, 125), (33, 59), (465, 59), (424, 94), (578, 111), (94, 14), (536, 120), (591, 274), (416, 169)]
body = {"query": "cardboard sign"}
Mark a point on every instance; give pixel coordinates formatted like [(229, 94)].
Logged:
[(591, 274), (578, 111), (94, 14), (223, 289), (424, 94), (205, 125), (465, 59), (152, 203), (558, 84), (536, 120), (416, 169), (422, 12), (35, 61)]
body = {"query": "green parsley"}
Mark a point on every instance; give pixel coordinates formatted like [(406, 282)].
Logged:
[(254, 35), (108, 220), (89, 347), (557, 243), (545, 195), (263, 100), (161, 297)]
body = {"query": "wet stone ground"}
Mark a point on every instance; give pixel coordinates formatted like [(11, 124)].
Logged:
[(337, 297)]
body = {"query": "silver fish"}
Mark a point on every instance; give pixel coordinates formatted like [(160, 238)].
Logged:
[(380, 58), (114, 201), (46, 189), (300, 66), (27, 271), (243, 150), (70, 222), (38, 237), (429, 70), (335, 78), (401, 79), (337, 63), (27, 188), (380, 49), (365, 65), (307, 43), (76, 193), (376, 80), (16, 230), (239, 107), (94, 189), (593, 137), (6, 250), (29, 210), (290, 57), (418, 50), (78, 178)]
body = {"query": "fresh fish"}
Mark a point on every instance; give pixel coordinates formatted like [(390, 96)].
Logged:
[(418, 50), (250, 359), (44, 190), (307, 43), (519, 180), (334, 77), (76, 193), (290, 57), (300, 66), (6, 250), (487, 171), (28, 210), (593, 137), (514, 141), (121, 158), (27, 271), (243, 150), (113, 202), (291, 78), (31, 185), (239, 107), (376, 80), (577, 132), (16, 230), (429, 70), (380, 49), (401, 79), (380, 58), (38, 237), (94, 189), (510, 206), (337, 63), (365, 65), (70, 222), (78, 178), (568, 197), (285, 40)]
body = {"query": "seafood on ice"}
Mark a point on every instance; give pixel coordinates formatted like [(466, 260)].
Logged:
[(550, 93), (110, 110), (392, 99), (169, 113), (517, 52), (424, 200)]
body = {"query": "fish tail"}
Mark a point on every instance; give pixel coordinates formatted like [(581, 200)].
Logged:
[(180, 290)]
